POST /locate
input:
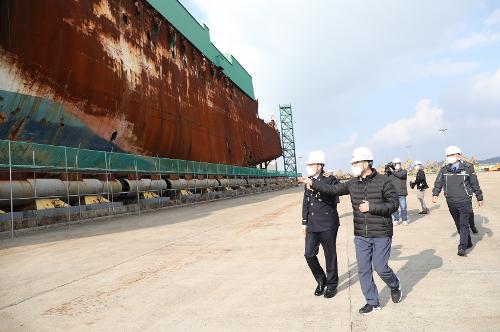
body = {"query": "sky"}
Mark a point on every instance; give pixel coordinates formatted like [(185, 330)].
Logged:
[(384, 74)]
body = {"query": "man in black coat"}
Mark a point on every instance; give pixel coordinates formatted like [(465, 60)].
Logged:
[(459, 182), (320, 220), (373, 199)]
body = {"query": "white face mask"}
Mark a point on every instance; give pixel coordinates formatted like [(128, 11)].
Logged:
[(417, 168), (311, 170), (397, 167), (356, 171), (452, 159)]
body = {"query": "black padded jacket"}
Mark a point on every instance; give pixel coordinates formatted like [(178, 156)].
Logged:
[(380, 193)]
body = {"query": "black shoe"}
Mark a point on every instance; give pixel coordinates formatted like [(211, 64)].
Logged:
[(396, 294), (330, 292), (321, 287), (473, 229), (469, 245), (369, 309), (461, 252)]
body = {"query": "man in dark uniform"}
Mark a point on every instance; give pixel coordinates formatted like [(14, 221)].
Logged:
[(320, 221), (459, 182)]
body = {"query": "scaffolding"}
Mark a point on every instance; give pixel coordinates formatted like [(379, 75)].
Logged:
[(42, 185), (288, 140)]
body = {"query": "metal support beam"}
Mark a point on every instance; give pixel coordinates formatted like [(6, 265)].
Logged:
[(288, 139)]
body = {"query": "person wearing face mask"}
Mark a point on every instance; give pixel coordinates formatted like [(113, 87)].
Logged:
[(373, 199), (459, 182), (399, 177), (320, 221), (421, 185)]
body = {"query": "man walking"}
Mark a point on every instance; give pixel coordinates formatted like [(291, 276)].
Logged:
[(373, 199), (421, 185), (398, 177), (459, 182), (320, 221)]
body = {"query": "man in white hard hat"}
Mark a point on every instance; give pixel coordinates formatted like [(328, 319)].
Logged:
[(373, 199), (421, 185), (399, 176), (459, 182), (320, 221)]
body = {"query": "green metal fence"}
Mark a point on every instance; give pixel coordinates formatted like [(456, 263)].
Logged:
[(25, 155)]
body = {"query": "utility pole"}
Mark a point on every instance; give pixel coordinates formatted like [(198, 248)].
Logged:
[(444, 130), (408, 148)]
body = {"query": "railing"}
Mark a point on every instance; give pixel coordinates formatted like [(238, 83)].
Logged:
[(25, 155)]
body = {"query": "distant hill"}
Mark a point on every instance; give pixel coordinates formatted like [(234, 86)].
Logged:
[(494, 160)]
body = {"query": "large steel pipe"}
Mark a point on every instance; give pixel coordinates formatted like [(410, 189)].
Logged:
[(193, 184), (233, 182), (23, 192)]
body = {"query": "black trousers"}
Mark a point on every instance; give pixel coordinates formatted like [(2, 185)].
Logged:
[(461, 213), (328, 241), (471, 220)]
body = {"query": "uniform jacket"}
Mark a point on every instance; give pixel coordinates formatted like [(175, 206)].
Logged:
[(379, 191), (319, 210), (459, 185)]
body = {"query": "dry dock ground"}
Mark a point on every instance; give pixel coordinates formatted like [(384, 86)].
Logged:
[(238, 265)]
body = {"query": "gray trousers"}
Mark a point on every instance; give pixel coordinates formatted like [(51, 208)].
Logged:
[(376, 251), (420, 197)]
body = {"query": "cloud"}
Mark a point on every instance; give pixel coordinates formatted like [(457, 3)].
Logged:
[(486, 87), (486, 38), (477, 97), (417, 129), (340, 150), (446, 68), (493, 19)]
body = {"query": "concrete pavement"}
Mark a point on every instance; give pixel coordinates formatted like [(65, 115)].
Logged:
[(238, 265)]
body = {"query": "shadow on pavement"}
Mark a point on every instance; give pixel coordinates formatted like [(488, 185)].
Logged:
[(415, 216), (349, 278), (480, 221), (416, 268)]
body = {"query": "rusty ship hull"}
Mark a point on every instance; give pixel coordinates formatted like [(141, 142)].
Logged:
[(108, 75)]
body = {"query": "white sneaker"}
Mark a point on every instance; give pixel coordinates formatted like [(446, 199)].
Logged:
[(395, 222), (405, 223)]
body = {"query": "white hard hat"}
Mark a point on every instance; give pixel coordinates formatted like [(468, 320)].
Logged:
[(417, 162), (330, 171), (452, 149), (316, 157), (396, 161), (361, 154)]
